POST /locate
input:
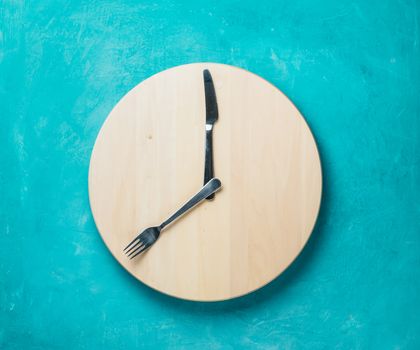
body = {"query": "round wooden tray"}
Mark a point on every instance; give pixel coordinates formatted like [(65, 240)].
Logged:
[(148, 160)]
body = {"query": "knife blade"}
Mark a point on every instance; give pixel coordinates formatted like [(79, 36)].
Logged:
[(212, 114)]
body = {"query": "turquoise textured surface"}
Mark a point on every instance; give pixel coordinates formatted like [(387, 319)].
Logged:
[(351, 67)]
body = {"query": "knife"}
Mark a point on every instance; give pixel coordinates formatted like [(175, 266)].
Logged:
[(212, 115)]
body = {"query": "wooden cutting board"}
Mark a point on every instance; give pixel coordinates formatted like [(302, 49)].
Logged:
[(148, 160)]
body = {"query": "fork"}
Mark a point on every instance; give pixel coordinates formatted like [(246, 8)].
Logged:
[(150, 235)]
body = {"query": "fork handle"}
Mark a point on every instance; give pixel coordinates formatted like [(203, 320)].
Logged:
[(210, 187)]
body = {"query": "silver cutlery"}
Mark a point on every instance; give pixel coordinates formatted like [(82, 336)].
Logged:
[(212, 115), (150, 235)]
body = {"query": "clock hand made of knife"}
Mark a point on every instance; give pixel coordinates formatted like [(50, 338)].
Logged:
[(212, 115), (150, 235)]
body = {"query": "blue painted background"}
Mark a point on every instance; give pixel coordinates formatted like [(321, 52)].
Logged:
[(351, 67)]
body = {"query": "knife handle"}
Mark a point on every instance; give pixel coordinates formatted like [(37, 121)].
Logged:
[(208, 164)]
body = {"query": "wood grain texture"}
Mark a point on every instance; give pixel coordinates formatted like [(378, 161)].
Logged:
[(148, 160)]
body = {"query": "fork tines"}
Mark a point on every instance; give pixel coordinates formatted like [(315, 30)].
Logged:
[(134, 248)]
